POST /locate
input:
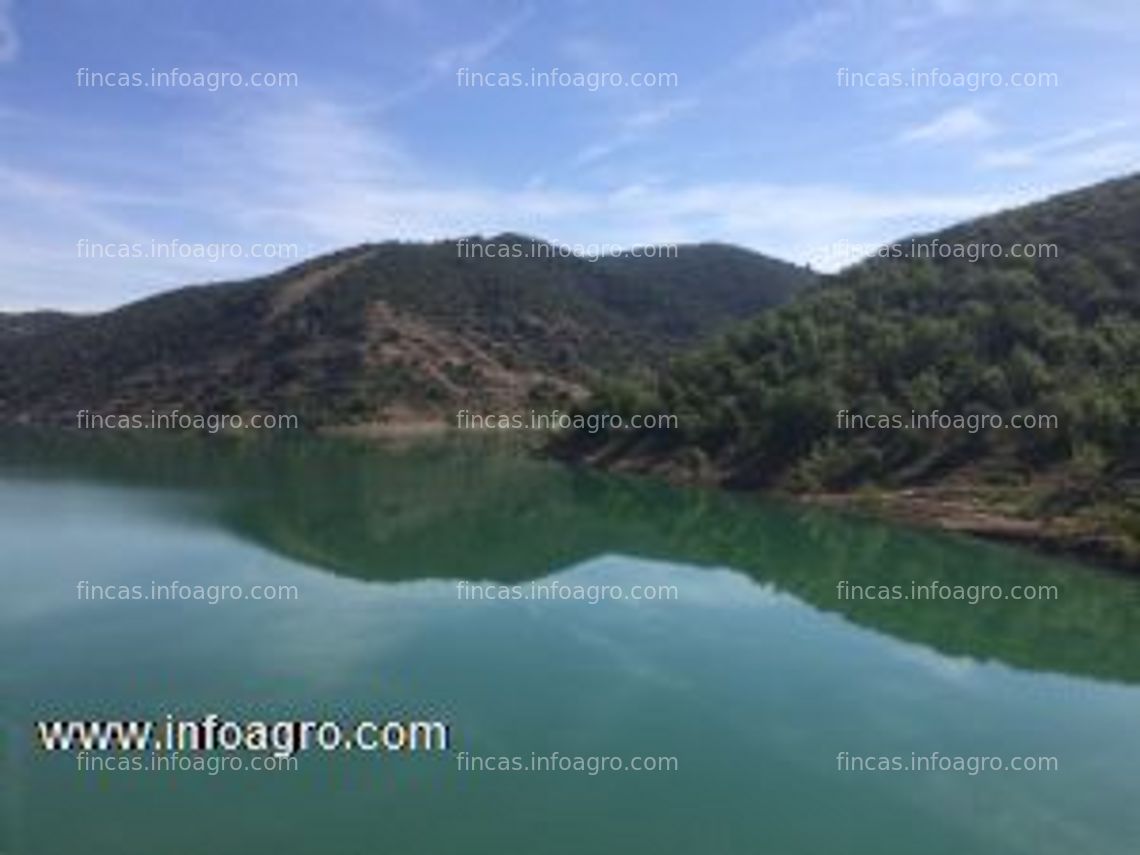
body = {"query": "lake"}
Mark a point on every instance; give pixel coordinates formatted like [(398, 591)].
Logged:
[(752, 674)]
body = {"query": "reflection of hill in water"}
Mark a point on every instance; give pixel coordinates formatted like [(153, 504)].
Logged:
[(454, 510)]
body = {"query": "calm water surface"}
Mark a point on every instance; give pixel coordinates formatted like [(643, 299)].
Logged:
[(754, 678)]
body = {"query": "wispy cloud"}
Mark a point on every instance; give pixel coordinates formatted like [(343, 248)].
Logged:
[(634, 127), (957, 124), (659, 114), (443, 63), (1117, 18), (82, 204), (9, 41), (805, 39), (1026, 156)]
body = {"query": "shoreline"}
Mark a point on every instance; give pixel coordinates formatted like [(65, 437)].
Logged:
[(932, 508), (958, 508)]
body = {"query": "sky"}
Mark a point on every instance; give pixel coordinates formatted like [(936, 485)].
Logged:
[(754, 133)]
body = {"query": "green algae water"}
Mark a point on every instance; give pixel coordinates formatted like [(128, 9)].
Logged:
[(754, 677)]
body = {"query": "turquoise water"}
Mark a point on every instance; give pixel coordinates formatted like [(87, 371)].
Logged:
[(755, 677)]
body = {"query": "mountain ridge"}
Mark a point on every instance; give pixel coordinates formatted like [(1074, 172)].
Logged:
[(383, 332)]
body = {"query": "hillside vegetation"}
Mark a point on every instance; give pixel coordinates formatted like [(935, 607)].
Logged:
[(1058, 336), (19, 324)]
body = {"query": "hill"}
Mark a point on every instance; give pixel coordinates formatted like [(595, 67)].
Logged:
[(388, 332), (795, 399), (18, 324)]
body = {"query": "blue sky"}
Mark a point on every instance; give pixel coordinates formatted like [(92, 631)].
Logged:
[(755, 144)]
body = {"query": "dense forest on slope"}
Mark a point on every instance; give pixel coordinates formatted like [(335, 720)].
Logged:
[(387, 332), (1048, 335)]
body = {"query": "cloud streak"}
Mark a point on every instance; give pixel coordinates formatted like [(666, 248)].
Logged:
[(959, 124), (9, 40)]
